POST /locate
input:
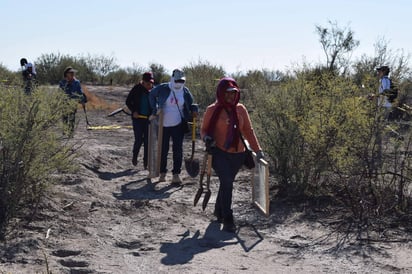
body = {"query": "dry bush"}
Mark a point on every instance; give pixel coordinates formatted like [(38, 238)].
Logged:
[(96, 103), (326, 139), (32, 149), (202, 78)]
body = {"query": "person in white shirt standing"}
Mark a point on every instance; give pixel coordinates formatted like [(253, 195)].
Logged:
[(176, 103), (384, 90), (385, 100)]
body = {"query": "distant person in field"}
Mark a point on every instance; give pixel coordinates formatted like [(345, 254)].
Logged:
[(138, 103), (29, 77), (384, 87), (176, 103), (72, 88), (224, 122)]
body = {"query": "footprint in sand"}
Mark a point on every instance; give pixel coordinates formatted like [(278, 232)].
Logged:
[(66, 253)]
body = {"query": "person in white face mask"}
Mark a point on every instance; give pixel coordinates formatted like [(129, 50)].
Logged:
[(176, 103)]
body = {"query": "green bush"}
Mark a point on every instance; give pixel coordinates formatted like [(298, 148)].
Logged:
[(50, 67), (9, 78), (32, 148), (324, 137), (202, 78)]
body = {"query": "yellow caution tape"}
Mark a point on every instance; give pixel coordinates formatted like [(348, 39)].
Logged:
[(111, 127)]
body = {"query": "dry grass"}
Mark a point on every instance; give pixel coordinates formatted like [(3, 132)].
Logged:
[(96, 103)]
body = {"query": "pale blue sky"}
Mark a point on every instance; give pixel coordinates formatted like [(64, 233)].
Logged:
[(237, 34)]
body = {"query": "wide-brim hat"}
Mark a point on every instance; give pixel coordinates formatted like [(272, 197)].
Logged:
[(69, 70), (384, 68)]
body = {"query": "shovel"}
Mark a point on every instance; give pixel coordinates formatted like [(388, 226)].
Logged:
[(192, 165), (209, 173), (202, 175), (122, 109), (85, 115)]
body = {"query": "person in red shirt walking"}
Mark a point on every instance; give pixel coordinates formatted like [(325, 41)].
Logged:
[(224, 122)]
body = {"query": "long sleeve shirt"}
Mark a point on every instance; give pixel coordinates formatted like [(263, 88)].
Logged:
[(73, 90), (222, 128), (385, 84), (138, 100)]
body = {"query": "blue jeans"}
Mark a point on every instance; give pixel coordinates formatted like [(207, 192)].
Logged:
[(141, 134), (226, 165), (176, 134)]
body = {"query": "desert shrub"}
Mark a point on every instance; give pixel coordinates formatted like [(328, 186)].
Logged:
[(324, 137), (101, 65), (31, 149), (159, 73), (50, 68), (9, 78), (127, 76), (202, 78)]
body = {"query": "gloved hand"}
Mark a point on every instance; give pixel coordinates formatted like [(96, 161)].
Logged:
[(210, 143), (259, 155), (152, 117)]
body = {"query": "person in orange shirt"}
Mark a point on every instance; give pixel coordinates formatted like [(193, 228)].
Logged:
[(224, 122)]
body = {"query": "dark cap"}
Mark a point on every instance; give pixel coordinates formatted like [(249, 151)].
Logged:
[(148, 77), (178, 75), (68, 70), (383, 68)]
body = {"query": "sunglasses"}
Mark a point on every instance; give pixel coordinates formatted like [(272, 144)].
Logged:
[(232, 90), (179, 81)]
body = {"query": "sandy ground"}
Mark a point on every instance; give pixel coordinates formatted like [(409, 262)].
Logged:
[(108, 218)]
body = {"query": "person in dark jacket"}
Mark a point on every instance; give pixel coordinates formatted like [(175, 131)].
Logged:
[(72, 88), (29, 77), (138, 103), (175, 101)]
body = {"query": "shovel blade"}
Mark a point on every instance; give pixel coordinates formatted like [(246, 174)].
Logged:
[(197, 196), (115, 112), (192, 167), (206, 199)]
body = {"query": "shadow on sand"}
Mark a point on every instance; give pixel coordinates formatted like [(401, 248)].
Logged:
[(108, 176), (184, 251), (144, 189)]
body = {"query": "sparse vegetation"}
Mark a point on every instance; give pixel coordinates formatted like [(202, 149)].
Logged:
[(322, 134), (32, 149)]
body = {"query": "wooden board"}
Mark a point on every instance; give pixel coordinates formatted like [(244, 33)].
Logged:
[(155, 146), (159, 141), (260, 186)]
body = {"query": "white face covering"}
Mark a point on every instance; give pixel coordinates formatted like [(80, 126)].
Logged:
[(175, 86), (178, 86)]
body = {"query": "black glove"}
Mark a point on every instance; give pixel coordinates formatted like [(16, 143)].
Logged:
[(260, 155), (210, 143)]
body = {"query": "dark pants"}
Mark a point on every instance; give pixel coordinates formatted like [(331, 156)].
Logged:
[(226, 165), (177, 135), (141, 135)]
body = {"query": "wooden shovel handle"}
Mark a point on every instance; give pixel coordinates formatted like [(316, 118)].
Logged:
[(209, 169), (194, 129)]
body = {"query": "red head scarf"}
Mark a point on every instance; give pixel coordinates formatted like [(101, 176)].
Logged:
[(233, 134)]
